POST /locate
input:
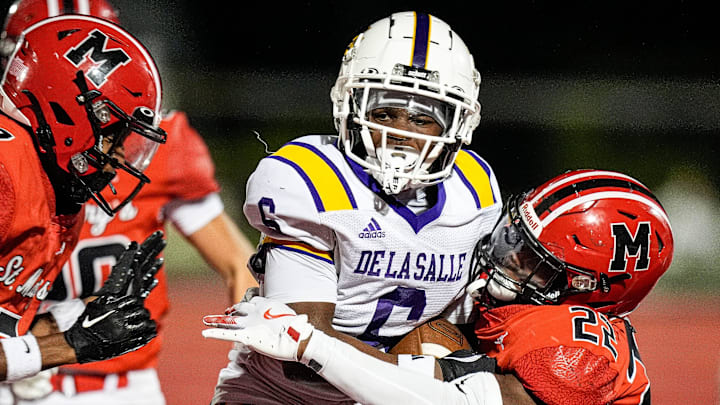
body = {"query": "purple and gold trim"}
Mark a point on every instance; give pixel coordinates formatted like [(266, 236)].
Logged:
[(421, 40), (299, 247), (329, 189), (417, 222), (475, 174)]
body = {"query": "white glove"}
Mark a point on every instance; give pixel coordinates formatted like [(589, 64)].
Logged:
[(262, 325), (250, 293)]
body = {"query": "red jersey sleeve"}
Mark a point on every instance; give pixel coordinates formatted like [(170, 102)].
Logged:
[(566, 354), (7, 203), (189, 168)]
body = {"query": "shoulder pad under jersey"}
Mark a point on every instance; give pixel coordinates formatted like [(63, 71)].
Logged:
[(290, 190)]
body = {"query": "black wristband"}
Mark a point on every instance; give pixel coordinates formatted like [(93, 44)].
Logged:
[(464, 362)]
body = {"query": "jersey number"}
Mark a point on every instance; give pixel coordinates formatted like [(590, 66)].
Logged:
[(582, 329), (269, 205), (91, 263), (400, 297), (582, 324)]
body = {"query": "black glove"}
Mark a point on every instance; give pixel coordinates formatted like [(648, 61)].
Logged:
[(464, 362), (117, 322), (134, 273), (109, 327)]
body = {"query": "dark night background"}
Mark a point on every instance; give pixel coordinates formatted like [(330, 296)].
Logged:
[(627, 86)]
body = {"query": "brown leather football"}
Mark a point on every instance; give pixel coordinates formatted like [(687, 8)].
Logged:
[(437, 338)]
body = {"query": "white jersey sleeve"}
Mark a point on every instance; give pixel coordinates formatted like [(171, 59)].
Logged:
[(461, 311), (299, 264), (189, 216), (317, 281), (278, 204)]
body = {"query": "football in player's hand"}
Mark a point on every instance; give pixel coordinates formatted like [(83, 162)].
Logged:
[(436, 338)]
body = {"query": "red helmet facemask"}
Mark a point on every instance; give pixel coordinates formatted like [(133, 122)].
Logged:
[(91, 94), (587, 237)]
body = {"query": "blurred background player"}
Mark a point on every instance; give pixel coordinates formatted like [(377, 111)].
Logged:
[(70, 122), (560, 271), (183, 191), (371, 233)]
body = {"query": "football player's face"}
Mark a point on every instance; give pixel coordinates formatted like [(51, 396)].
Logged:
[(401, 118), (118, 153)]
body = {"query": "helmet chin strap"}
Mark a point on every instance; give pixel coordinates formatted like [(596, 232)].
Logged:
[(68, 193), (394, 159), (499, 291)]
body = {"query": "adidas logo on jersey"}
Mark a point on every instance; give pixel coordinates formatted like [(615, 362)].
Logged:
[(372, 231)]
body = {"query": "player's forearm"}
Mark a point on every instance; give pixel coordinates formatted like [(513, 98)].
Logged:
[(362, 346), (56, 351), (226, 250), (373, 382), (44, 325), (371, 351), (320, 315), (26, 359)]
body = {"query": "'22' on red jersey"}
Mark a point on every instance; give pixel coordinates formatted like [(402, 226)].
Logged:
[(566, 354), (182, 169)]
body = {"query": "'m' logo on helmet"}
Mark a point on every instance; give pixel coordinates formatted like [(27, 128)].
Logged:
[(627, 245), (106, 60)]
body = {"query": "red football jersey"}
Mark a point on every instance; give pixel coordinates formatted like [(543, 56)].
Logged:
[(34, 242), (566, 354), (181, 169)]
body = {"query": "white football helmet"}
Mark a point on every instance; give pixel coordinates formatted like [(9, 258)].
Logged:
[(417, 62)]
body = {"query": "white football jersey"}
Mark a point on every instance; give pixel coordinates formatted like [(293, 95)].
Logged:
[(387, 269), (333, 236)]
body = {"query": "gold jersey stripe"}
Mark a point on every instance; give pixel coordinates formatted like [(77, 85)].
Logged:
[(477, 176), (327, 187)]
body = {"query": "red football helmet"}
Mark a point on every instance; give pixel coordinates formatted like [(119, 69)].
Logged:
[(588, 237), (91, 94), (24, 13)]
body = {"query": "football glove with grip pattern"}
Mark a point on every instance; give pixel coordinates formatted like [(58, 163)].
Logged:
[(134, 273), (117, 321), (267, 327)]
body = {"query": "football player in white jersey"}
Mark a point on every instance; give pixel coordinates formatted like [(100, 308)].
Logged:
[(558, 275), (370, 233)]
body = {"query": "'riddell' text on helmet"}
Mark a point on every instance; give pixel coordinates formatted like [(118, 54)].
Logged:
[(91, 94), (415, 62)]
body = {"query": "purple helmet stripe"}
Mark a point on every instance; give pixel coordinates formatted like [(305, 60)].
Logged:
[(421, 40)]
